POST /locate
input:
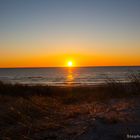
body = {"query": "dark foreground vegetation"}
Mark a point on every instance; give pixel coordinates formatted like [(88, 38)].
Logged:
[(105, 112)]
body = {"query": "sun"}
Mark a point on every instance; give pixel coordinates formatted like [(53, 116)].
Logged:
[(70, 63)]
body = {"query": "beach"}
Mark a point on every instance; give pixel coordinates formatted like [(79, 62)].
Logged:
[(104, 112)]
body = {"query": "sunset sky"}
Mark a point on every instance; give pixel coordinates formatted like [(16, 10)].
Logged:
[(49, 33)]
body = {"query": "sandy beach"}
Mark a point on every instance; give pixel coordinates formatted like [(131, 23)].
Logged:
[(68, 113)]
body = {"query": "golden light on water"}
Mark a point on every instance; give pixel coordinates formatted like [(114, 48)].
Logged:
[(70, 77)]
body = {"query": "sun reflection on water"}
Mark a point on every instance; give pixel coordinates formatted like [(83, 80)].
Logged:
[(70, 76)]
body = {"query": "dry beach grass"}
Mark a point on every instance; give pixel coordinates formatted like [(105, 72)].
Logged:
[(108, 111)]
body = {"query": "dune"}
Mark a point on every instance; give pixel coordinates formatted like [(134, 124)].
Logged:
[(108, 111)]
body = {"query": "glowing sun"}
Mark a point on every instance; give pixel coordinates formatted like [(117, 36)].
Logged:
[(70, 64)]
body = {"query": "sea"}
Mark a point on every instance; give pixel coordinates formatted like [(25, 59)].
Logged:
[(64, 76)]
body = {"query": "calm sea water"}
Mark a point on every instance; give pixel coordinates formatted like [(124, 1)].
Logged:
[(66, 76)]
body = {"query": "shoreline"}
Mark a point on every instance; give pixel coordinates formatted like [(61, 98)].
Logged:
[(66, 84), (110, 89)]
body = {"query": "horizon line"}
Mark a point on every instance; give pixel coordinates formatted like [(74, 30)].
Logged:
[(68, 67)]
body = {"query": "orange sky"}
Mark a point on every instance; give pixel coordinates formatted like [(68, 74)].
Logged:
[(50, 33), (77, 59), (59, 54)]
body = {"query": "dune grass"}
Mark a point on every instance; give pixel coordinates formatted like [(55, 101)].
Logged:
[(33, 112)]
